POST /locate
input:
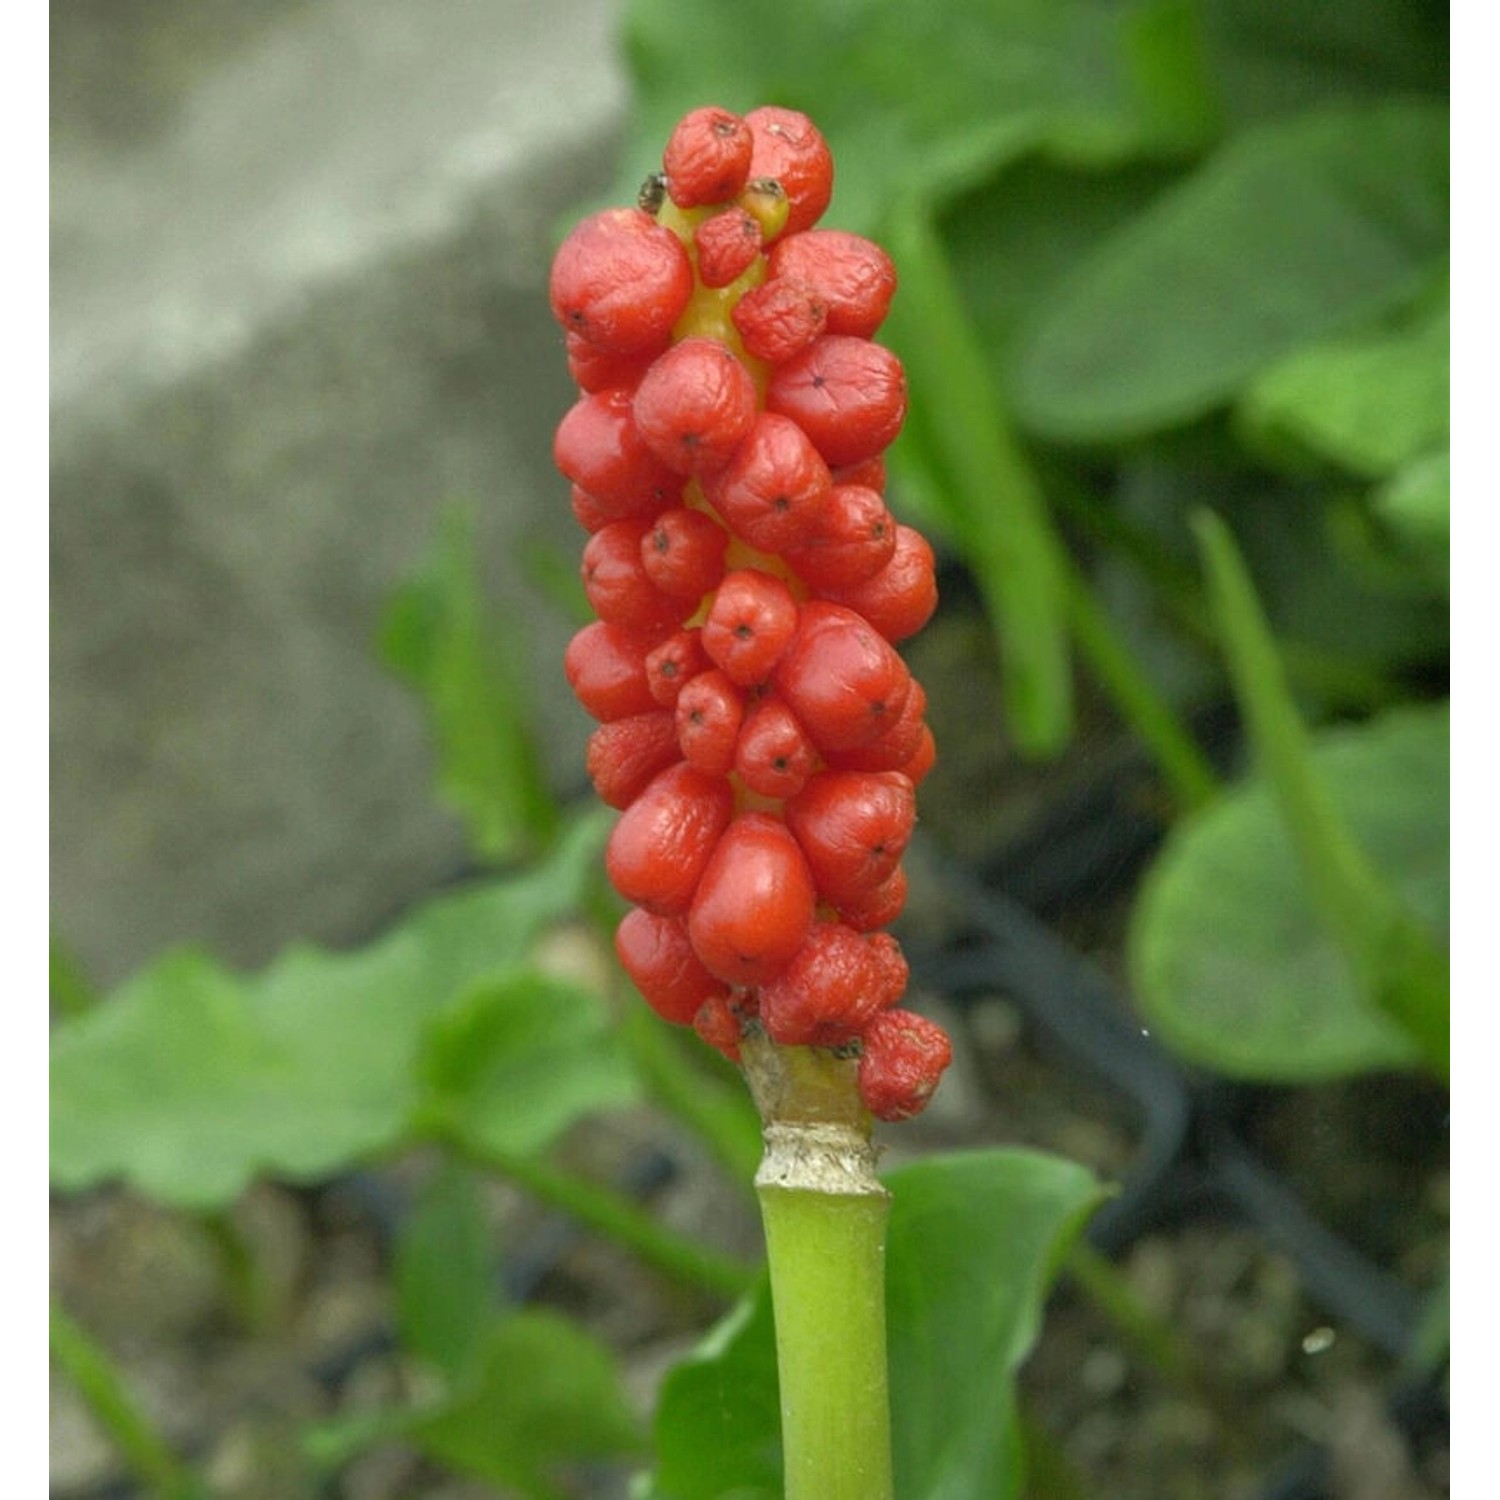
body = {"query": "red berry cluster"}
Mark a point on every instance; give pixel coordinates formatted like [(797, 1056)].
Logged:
[(757, 727)]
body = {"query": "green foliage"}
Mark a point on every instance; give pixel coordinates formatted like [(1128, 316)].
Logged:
[(191, 1080), (1230, 963), (975, 1240), (438, 636), (1295, 230)]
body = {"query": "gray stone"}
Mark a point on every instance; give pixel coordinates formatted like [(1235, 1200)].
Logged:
[(298, 307)]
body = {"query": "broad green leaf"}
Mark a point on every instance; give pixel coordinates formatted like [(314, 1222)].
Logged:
[(974, 1242), (438, 635), (1231, 964), (1394, 958), (1369, 403), (1294, 230), (191, 1080), (444, 1274), (546, 1398), (518, 1059), (928, 98)]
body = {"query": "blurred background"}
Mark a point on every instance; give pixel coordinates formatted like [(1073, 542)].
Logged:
[(313, 573)]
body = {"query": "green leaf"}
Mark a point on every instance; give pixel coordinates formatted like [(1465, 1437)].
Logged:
[(547, 1397), (974, 1242), (1394, 956), (445, 1273), (1369, 403), (1293, 231), (190, 1080), (518, 1059), (1413, 503), (927, 98), (438, 635), (1232, 965)]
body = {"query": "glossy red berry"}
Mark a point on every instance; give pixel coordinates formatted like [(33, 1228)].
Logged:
[(841, 677), (663, 840), (754, 904), (877, 908), (903, 1057), (707, 158), (596, 369), (791, 149), (617, 584), (853, 827), (749, 625), (709, 712), (900, 598), (621, 280), (606, 668), (656, 953), (773, 756), (695, 405), (673, 664)]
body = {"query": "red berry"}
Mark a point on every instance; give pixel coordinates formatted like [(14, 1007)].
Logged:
[(754, 904), (895, 745), (749, 624), (695, 405), (606, 668), (903, 1057), (596, 369), (683, 552), (778, 319), (790, 148), (707, 158), (869, 472), (923, 759), (598, 447), (718, 1023), (617, 584), (853, 827), (854, 538), (673, 664), (848, 395), (828, 992), (773, 490), (662, 843), (621, 280), (626, 754), (708, 717), (727, 245), (891, 969), (900, 599), (853, 277), (841, 677), (656, 953), (880, 907), (774, 756)]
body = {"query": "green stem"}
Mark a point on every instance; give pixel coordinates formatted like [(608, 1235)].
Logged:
[(825, 1216), (616, 1218), (103, 1387), (1160, 1344)]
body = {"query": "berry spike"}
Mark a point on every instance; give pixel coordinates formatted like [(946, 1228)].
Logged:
[(757, 728)]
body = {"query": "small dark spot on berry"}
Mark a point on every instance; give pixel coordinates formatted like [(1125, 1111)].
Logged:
[(744, 632)]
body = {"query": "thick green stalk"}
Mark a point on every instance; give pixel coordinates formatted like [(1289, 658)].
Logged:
[(825, 1215)]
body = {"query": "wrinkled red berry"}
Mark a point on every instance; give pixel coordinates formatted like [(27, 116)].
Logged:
[(656, 953), (903, 1057), (707, 158), (853, 827), (773, 756), (683, 552), (899, 599), (598, 447), (853, 539), (773, 490), (617, 585), (626, 754), (727, 246), (829, 991), (791, 149), (662, 843), (848, 395), (708, 716), (779, 318), (694, 406), (673, 664), (853, 277), (621, 280), (749, 625), (606, 668)]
